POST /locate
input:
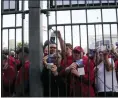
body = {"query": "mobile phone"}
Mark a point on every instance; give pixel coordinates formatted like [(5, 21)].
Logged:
[(56, 32), (52, 39), (80, 63)]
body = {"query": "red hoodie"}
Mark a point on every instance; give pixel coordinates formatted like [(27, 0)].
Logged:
[(11, 61), (8, 76), (83, 88), (19, 78), (65, 63)]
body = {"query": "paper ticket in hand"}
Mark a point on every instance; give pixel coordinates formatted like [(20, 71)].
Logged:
[(81, 71), (49, 65)]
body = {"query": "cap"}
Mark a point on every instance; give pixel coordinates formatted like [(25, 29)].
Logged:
[(79, 49), (26, 50)]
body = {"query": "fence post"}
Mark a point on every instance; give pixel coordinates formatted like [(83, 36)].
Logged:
[(35, 47)]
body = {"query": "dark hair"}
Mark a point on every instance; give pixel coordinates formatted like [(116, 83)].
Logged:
[(5, 52), (47, 42), (69, 45), (26, 50), (4, 57)]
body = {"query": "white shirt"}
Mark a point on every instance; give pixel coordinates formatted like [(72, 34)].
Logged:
[(100, 83)]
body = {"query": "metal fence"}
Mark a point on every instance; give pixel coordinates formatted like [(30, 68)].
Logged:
[(82, 25)]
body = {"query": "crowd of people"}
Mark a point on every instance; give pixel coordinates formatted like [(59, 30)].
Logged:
[(69, 72), (15, 73)]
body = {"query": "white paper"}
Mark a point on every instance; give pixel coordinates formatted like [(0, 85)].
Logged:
[(81, 71), (49, 65)]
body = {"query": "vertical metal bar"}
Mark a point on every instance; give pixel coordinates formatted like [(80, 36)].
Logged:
[(111, 61), (56, 44), (15, 38), (100, 2), (55, 4), (93, 2), (115, 2), (63, 3), (71, 37), (108, 2), (103, 44), (8, 61), (80, 55), (9, 5), (49, 47), (96, 59), (65, 61), (36, 50), (117, 21), (78, 3), (71, 27), (80, 34), (2, 92), (23, 69), (70, 3), (88, 50), (64, 46)]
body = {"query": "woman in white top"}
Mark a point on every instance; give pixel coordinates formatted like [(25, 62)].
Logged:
[(106, 82)]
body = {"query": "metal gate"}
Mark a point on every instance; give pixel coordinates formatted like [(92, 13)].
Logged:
[(87, 24), (14, 15)]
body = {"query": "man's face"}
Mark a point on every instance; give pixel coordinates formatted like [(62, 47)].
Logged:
[(68, 50), (52, 48), (46, 51), (77, 55), (100, 56)]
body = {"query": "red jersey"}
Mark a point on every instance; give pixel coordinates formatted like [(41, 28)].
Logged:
[(8, 76), (11, 61), (83, 88), (20, 74), (65, 63)]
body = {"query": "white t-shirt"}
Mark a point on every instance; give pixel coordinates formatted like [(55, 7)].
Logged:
[(108, 78)]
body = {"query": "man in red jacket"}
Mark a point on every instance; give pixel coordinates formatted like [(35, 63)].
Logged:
[(22, 79), (82, 75), (8, 77)]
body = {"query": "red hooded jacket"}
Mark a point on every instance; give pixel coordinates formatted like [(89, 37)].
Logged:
[(19, 78), (8, 76), (82, 86)]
